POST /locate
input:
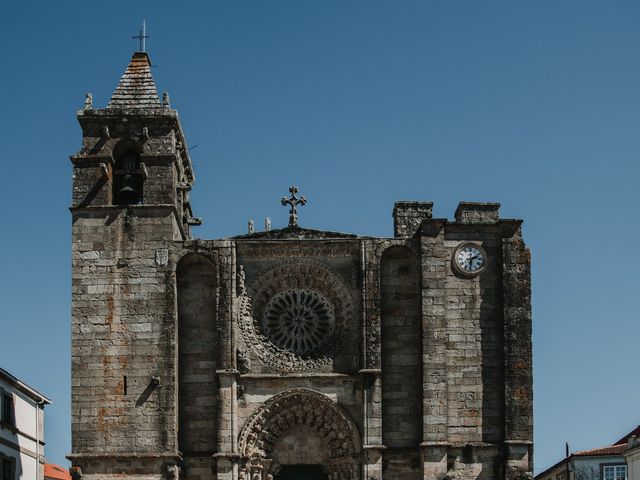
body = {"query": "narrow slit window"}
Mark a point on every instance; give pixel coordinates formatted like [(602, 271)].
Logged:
[(8, 417)]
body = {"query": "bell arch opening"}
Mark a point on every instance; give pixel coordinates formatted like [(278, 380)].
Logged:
[(300, 428), (127, 179)]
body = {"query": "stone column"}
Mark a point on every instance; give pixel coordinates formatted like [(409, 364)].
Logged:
[(372, 462), (434, 376), (227, 457), (518, 393), (372, 434), (226, 304), (371, 382)]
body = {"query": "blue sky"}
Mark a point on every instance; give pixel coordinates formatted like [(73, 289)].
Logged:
[(532, 104)]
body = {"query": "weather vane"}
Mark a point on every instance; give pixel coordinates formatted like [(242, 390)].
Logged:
[(293, 202), (142, 36)]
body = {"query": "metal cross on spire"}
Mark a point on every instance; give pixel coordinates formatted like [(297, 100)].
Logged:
[(293, 202), (142, 36)]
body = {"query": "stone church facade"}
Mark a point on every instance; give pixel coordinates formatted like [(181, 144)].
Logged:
[(290, 353)]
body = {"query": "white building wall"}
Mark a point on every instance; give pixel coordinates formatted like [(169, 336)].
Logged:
[(632, 456), (589, 468), (25, 443)]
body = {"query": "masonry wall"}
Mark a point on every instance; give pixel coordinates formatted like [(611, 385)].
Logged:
[(124, 329), (122, 333), (475, 354)]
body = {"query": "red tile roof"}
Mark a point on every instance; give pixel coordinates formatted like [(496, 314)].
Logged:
[(596, 452), (617, 448), (614, 449), (55, 472)]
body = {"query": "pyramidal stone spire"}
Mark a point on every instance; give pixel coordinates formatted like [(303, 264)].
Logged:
[(136, 88)]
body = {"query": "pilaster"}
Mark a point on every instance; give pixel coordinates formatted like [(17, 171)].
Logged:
[(227, 457), (372, 406), (518, 373), (371, 305), (226, 307), (372, 462), (434, 271)]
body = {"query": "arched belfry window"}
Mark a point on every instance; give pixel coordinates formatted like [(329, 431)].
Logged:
[(127, 180)]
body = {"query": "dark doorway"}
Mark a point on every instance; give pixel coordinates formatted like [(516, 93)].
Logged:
[(301, 472)]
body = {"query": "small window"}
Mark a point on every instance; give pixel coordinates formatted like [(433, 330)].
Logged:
[(7, 468), (615, 472), (8, 417)]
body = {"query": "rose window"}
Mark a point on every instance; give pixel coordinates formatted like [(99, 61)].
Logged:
[(299, 320)]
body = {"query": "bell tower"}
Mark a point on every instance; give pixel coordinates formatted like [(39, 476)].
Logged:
[(133, 152), (131, 183)]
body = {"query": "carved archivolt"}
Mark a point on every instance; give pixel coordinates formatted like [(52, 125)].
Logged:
[(320, 296), (295, 407)]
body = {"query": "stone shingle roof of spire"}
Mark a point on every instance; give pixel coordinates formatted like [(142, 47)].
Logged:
[(136, 88)]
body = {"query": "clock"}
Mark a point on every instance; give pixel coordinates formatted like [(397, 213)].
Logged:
[(470, 259)]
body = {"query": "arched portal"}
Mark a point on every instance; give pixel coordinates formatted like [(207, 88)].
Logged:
[(300, 428)]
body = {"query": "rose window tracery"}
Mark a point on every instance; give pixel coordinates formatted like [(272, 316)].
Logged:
[(299, 320), (297, 316)]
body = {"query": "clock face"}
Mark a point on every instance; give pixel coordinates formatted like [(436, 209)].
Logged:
[(470, 258)]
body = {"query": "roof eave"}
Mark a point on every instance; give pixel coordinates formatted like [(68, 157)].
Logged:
[(24, 388)]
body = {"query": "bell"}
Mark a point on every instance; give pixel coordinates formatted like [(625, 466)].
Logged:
[(128, 193)]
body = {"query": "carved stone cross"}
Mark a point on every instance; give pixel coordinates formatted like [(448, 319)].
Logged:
[(293, 203)]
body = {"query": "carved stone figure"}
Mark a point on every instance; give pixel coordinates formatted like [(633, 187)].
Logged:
[(240, 285), (173, 472), (88, 101), (244, 364)]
